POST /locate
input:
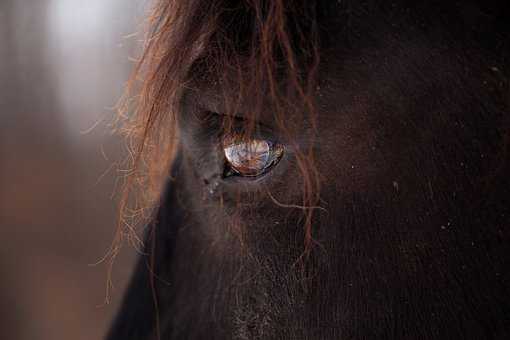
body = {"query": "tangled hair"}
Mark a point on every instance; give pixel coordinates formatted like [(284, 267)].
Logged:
[(265, 51)]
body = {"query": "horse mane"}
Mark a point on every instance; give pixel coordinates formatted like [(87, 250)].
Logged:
[(265, 50)]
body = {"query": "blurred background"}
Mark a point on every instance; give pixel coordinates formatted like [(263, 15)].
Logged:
[(63, 65)]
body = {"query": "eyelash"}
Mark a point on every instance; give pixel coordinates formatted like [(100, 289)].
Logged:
[(250, 164), (214, 123)]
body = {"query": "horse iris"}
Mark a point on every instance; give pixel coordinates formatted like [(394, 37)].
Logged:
[(250, 158)]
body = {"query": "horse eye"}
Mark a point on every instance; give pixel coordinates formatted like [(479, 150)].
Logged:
[(250, 158)]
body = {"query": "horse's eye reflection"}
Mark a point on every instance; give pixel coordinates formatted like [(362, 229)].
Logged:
[(250, 158)]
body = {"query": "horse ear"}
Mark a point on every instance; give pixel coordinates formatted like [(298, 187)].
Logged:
[(147, 296)]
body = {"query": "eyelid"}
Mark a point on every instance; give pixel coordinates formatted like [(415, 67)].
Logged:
[(203, 122), (261, 131)]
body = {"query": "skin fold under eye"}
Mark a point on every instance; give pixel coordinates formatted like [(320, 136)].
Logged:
[(249, 158)]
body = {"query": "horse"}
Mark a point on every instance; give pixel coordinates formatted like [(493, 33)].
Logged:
[(321, 170)]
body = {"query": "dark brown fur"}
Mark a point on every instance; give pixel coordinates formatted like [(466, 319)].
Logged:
[(388, 216)]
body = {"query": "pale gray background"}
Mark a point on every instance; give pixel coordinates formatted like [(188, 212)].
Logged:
[(63, 64)]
